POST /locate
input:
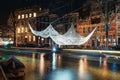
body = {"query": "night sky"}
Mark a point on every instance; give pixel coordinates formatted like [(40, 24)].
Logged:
[(59, 7)]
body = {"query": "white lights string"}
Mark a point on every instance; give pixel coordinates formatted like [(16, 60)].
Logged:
[(71, 37)]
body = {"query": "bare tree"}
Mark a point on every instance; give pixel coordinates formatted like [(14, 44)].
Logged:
[(107, 7), (11, 26)]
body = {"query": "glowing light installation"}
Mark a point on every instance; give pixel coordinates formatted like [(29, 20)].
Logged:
[(71, 37)]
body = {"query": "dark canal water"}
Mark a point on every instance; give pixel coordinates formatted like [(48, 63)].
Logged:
[(62, 67)]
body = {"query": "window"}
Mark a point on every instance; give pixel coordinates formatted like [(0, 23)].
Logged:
[(22, 30), (98, 28), (34, 14), (26, 15), (103, 39), (33, 38), (95, 21), (103, 28), (83, 29), (18, 30), (118, 17), (26, 29), (18, 16), (22, 16), (26, 36), (40, 9), (88, 29), (29, 38), (118, 26), (30, 15), (110, 38)]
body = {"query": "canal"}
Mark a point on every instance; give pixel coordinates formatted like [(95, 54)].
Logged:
[(65, 66)]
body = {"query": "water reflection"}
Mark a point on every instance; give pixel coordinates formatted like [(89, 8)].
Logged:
[(42, 64), (33, 61), (59, 61), (100, 62), (114, 69), (63, 74), (105, 66), (83, 69), (53, 61), (68, 68)]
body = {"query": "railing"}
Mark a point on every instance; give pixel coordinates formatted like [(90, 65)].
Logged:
[(2, 74)]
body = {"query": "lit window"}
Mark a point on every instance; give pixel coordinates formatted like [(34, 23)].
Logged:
[(109, 40), (34, 14), (26, 29), (26, 15), (22, 29), (30, 15), (33, 38), (18, 30), (40, 9), (22, 16), (18, 16), (26, 36), (42, 39), (29, 38), (113, 40)]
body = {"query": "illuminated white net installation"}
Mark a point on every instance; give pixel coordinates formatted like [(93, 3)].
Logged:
[(71, 37), (44, 33)]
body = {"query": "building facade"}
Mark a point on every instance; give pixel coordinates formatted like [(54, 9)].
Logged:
[(118, 22), (98, 19), (19, 19)]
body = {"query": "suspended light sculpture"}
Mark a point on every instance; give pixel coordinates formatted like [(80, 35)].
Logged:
[(71, 37)]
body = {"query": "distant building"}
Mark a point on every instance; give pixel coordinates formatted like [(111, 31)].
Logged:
[(118, 22), (19, 19), (97, 19)]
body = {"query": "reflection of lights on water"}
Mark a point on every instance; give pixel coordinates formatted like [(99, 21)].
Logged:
[(104, 66), (59, 57), (53, 61), (41, 65), (85, 64), (100, 61), (59, 61), (62, 75), (33, 56), (33, 61), (105, 62), (83, 68), (114, 69)]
